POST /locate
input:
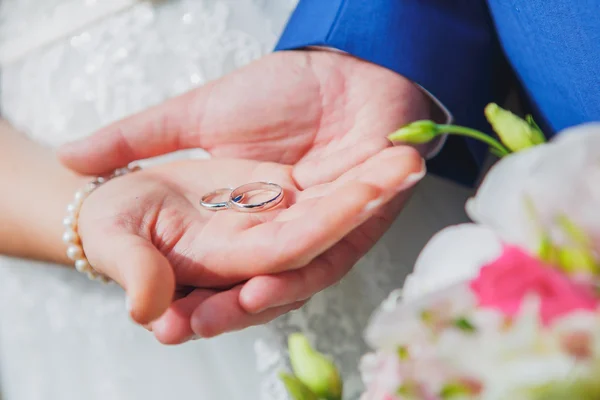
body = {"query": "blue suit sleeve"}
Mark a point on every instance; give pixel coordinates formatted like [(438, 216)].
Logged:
[(448, 47)]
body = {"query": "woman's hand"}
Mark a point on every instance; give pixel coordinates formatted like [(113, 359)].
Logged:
[(148, 232)]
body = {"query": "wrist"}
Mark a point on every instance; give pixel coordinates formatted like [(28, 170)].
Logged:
[(38, 190), (51, 228)]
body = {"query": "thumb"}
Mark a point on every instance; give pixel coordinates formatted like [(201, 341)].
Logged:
[(159, 130), (144, 273)]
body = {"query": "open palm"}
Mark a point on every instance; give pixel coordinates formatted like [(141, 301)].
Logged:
[(304, 108), (148, 231)]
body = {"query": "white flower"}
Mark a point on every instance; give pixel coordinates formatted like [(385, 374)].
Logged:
[(558, 178), (381, 374), (520, 202), (453, 255), (390, 327), (516, 358)]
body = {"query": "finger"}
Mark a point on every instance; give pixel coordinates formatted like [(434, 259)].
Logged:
[(223, 313), (159, 130), (140, 269), (268, 291), (311, 227), (318, 170), (173, 327), (263, 292), (180, 293), (392, 170)]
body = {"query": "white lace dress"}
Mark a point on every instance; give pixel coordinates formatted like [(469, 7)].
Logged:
[(88, 63)]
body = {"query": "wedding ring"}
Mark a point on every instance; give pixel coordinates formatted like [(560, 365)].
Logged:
[(205, 201), (238, 194)]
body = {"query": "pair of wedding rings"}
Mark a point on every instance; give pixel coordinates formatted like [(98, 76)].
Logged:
[(237, 197)]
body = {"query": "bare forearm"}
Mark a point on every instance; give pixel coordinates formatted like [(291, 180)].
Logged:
[(35, 192)]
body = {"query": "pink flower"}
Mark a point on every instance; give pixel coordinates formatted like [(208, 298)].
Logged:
[(504, 283)]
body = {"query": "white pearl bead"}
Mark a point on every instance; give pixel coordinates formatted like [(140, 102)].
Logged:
[(120, 172), (73, 208), (69, 222), (74, 252), (70, 236), (82, 265), (80, 196), (91, 275), (90, 187)]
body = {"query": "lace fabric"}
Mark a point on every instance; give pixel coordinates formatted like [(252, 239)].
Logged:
[(52, 19), (62, 337)]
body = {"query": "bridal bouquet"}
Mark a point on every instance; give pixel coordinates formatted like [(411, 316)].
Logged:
[(505, 308)]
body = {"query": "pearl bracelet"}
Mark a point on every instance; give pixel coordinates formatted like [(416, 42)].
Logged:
[(71, 236)]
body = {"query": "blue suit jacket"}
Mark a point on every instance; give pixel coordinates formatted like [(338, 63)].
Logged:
[(457, 49)]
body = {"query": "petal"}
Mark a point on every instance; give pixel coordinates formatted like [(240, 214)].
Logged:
[(453, 255), (500, 202), (588, 134), (552, 179)]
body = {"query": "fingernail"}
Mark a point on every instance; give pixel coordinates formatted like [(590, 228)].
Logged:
[(190, 338), (373, 204), (412, 179)]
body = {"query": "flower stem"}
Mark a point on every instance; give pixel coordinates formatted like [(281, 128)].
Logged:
[(475, 134)]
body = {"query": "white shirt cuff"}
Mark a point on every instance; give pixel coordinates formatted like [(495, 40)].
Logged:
[(446, 119)]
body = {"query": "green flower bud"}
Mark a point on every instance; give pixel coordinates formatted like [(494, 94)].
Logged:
[(514, 132), (296, 389), (313, 369), (416, 133)]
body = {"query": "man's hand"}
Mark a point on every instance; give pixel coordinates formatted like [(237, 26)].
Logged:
[(323, 111)]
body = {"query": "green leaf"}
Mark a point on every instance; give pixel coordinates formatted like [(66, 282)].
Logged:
[(533, 124), (464, 325)]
